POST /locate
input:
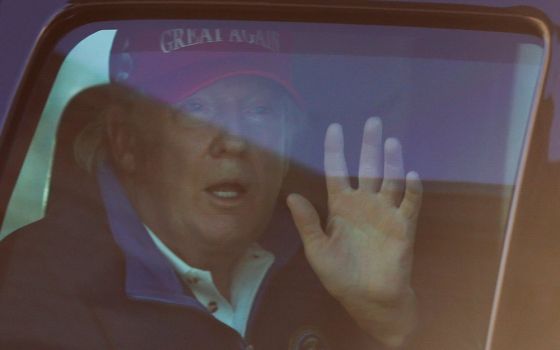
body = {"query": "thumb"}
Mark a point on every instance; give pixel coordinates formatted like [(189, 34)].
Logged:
[(307, 220)]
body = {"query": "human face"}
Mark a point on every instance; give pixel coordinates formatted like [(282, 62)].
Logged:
[(216, 166)]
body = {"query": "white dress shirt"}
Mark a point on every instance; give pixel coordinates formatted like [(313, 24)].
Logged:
[(247, 277)]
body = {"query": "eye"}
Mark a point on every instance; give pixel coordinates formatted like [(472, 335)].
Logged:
[(259, 115), (193, 106), (196, 109), (262, 110)]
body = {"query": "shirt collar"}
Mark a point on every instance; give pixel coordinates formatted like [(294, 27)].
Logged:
[(189, 272)]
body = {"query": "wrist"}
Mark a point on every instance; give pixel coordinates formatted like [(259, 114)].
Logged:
[(389, 321)]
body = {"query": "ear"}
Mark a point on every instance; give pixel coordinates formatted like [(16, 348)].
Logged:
[(123, 142)]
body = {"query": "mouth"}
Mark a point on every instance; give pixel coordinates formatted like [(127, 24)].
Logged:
[(227, 191)]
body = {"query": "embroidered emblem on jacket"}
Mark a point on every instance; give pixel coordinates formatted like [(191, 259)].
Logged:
[(308, 339)]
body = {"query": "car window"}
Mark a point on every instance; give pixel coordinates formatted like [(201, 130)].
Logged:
[(459, 101)]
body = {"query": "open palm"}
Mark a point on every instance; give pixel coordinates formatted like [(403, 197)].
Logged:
[(364, 254)]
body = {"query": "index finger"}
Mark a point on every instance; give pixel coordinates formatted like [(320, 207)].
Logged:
[(336, 171)]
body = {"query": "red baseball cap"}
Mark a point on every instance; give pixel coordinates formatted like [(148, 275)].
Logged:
[(170, 61)]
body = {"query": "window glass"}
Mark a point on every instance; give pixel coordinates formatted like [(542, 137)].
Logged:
[(459, 101)]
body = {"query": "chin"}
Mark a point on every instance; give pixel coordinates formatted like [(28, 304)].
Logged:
[(230, 236)]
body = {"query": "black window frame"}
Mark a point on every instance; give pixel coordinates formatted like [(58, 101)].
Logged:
[(22, 118)]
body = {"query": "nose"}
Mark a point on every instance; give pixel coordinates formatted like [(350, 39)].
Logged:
[(229, 139)]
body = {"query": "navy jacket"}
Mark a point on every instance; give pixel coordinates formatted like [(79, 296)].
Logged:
[(67, 284), (88, 276)]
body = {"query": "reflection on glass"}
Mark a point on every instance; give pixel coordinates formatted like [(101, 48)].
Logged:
[(210, 145)]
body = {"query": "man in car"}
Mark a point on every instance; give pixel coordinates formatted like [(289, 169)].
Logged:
[(190, 167)]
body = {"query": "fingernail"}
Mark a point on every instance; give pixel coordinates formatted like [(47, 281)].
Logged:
[(335, 126), (392, 142), (373, 122), (335, 129), (413, 176)]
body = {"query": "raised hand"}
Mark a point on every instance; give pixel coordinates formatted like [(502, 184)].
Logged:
[(364, 255)]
